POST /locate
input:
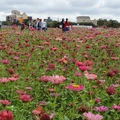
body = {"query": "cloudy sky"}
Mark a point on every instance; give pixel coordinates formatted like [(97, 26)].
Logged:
[(58, 9)]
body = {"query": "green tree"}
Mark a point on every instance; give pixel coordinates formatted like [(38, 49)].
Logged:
[(113, 24), (102, 22)]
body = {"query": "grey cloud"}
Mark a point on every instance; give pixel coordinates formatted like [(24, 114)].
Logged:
[(55, 8)]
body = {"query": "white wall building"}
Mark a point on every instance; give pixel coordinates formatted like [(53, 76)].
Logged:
[(86, 19)]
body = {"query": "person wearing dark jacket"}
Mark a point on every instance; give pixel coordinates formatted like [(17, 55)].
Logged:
[(63, 22)]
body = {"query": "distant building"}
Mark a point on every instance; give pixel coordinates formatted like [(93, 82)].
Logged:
[(16, 15), (86, 19)]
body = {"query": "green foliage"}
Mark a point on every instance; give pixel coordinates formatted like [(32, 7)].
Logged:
[(4, 23), (108, 23)]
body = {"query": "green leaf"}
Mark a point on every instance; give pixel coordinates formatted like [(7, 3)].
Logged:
[(66, 118)]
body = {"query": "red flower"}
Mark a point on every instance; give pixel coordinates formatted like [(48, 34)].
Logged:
[(111, 90), (10, 70), (51, 66), (110, 73), (4, 115), (45, 117)]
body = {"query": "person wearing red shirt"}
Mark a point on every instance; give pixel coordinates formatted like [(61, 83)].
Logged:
[(66, 25)]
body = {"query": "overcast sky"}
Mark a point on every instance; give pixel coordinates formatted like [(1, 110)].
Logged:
[(58, 9)]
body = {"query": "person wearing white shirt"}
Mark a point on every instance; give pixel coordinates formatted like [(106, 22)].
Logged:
[(44, 25)]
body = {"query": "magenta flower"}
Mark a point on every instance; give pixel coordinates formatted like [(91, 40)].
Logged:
[(75, 87), (101, 109), (5, 61), (116, 107), (83, 68), (91, 116)]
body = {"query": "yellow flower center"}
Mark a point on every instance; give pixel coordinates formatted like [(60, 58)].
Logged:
[(75, 86)]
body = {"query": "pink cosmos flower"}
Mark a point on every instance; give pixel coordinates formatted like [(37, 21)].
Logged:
[(20, 92), (25, 98), (77, 63), (5, 61), (91, 116), (15, 57), (102, 47), (46, 43), (54, 48), (36, 112), (101, 109), (18, 33), (41, 47), (5, 102), (88, 63), (97, 100), (4, 115), (75, 87), (54, 79), (78, 74), (13, 78), (4, 80), (39, 110), (83, 68), (57, 79), (116, 107), (90, 76)]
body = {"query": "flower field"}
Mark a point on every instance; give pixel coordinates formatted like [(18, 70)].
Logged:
[(60, 76)]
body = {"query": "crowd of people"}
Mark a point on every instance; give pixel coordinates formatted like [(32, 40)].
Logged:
[(38, 24)]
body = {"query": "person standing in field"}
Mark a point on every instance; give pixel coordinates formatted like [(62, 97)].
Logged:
[(44, 25), (37, 23), (0, 24), (63, 22), (22, 26), (66, 25), (40, 24)]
